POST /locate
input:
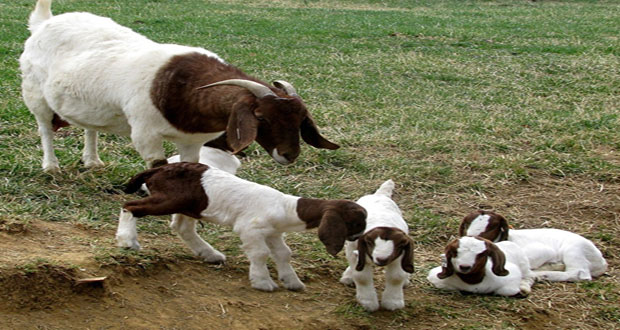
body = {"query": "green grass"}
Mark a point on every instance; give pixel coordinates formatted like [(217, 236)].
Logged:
[(456, 101)]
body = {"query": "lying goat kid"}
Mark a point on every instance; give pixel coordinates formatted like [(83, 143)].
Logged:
[(385, 243), (86, 70), (259, 214), (477, 265), (545, 247)]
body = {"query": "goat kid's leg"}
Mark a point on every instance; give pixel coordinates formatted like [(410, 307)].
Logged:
[(281, 254), (576, 269), (257, 251), (126, 234), (33, 98), (351, 254), (364, 288), (395, 279), (90, 157), (189, 152), (185, 227)]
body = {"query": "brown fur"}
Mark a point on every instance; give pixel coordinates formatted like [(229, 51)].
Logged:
[(496, 230), (337, 220), (271, 121), (403, 244), (477, 272), (58, 123)]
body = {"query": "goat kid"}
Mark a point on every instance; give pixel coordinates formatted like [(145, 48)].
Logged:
[(259, 214), (477, 265), (554, 254), (86, 70), (385, 242)]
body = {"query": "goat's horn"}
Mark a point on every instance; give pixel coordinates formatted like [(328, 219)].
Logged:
[(257, 89), (286, 86)]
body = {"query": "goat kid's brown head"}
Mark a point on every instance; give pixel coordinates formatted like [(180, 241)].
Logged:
[(274, 120), (341, 220), (384, 245), (485, 224), (469, 255)]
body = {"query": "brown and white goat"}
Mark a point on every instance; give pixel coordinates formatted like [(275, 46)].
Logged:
[(554, 254), (259, 214), (385, 242), (86, 70), (477, 265)]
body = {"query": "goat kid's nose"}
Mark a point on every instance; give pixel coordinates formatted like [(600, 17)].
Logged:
[(464, 268), (381, 261)]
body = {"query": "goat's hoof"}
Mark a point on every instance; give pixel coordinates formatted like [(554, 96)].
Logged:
[(51, 168), (127, 243), (295, 286), (264, 285), (92, 163), (392, 304), (347, 281), (213, 257), (370, 306)]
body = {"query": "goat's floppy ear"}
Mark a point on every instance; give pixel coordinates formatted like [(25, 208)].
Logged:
[(447, 269), (463, 228), (503, 229), (310, 134), (242, 127), (498, 258), (332, 232), (407, 260), (362, 251)]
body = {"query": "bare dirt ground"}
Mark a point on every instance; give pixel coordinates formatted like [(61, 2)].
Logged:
[(43, 261)]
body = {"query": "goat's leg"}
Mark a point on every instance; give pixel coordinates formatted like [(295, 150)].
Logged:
[(576, 269), (90, 157), (364, 288), (395, 279), (257, 251), (189, 152), (126, 234), (281, 254), (33, 98), (352, 255), (185, 227), (149, 146)]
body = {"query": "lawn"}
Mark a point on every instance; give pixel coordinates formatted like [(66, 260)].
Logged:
[(505, 105)]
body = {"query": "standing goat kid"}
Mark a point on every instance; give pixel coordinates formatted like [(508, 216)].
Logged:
[(546, 248), (477, 265), (385, 243), (86, 70), (259, 214)]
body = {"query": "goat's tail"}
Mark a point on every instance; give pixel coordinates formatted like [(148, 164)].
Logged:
[(136, 182), (41, 13), (386, 188)]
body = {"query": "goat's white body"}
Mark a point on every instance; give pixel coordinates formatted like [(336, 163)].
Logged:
[(259, 214), (97, 74), (382, 212), (519, 279), (581, 259)]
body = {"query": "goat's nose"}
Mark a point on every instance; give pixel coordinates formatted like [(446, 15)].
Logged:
[(290, 155), (464, 268), (381, 261)]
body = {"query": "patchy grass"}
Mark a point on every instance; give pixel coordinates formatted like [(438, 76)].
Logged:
[(503, 105)]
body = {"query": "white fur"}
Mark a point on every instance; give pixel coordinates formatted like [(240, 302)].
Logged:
[(478, 225), (97, 74), (382, 212), (259, 214), (519, 279), (547, 246)]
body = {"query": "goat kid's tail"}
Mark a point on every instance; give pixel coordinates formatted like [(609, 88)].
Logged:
[(41, 13), (136, 182), (386, 188)]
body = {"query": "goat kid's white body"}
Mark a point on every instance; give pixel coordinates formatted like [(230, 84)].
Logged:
[(548, 246), (382, 212), (259, 214), (97, 74), (519, 279)]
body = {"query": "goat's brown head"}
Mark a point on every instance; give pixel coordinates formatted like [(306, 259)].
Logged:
[(274, 119), (338, 220), (383, 245), (467, 257), (485, 224)]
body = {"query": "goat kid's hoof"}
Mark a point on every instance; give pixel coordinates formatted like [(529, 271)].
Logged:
[(93, 163), (264, 285), (213, 257), (347, 281), (127, 243), (294, 285), (51, 168), (369, 305), (392, 305)]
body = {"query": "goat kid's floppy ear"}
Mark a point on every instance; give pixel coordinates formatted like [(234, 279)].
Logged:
[(407, 260), (503, 230), (362, 251), (242, 127), (446, 266), (498, 258), (332, 232), (310, 134)]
